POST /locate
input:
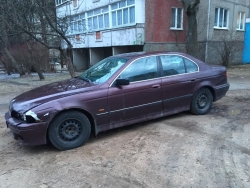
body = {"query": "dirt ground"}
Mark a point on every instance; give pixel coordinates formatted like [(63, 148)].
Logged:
[(182, 150)]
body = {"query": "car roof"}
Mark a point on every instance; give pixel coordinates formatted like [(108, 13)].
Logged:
[(132, 55)]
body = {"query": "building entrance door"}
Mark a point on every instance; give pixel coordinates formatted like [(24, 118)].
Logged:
[(246, 52)]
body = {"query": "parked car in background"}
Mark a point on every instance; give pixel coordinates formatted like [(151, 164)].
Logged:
[(119, 90), (55, 66)]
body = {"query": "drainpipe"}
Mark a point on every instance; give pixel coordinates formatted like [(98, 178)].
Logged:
[(208, 27)]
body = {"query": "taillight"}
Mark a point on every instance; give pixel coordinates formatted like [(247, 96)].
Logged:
[(226, 74)]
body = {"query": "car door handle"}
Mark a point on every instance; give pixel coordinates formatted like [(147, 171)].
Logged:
[(156, 86), (193, 79)]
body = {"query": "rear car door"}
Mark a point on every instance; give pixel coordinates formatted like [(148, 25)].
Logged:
[(178, 82), (141, 99)]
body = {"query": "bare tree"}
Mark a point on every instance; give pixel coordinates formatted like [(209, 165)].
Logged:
[(227, 47), (10, 37), (191, 9), (32, 58), (37, 19), (6, 33)]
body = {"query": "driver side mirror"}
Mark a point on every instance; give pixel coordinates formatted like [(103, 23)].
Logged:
[(122, 82)]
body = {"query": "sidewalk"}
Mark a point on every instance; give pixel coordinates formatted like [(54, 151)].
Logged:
[(239, 84), (239, 77), (4, 76)]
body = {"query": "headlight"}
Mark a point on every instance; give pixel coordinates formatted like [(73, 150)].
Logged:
[(24, 117), (11, 105), (30, 117)]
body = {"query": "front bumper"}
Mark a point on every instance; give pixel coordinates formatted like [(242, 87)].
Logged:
[(27, 133)]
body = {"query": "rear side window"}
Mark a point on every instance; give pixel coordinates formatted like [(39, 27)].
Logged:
[(141, 69), (190, 66), (172, 65)]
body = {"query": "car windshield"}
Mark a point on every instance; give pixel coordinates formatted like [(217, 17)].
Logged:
[(102, 71)]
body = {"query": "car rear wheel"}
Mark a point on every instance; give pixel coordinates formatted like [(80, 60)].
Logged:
[(202, 101), (69, 130)]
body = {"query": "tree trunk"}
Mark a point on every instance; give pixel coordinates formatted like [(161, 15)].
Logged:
[(13, 61), (70, 67), (43, 26), (190, 7), (39, 72), (61, 60), (192, 41), (68, 61), (35, 64)]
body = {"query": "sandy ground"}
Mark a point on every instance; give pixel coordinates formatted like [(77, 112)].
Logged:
[(182, 150)]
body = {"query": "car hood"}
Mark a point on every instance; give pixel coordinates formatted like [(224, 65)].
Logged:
[(43, 94)]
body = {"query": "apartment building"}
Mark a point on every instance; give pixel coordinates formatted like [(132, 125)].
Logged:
[(101, 28), (225, 21)]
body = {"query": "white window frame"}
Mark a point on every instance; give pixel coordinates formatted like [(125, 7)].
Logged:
[(241, 20), (75, 4), (76, 20), (92, 15), (176, 19), (60, 2), (218, 18), (121, 8)]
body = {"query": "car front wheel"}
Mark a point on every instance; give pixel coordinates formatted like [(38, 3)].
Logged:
[(202, 101), (69, 130)]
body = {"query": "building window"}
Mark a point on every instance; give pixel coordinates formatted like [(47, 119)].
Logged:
[(98, 18), (77, 24), (75, 3), (59, 2), (221, 18), (176, 18), (241, 21), (123, 13)]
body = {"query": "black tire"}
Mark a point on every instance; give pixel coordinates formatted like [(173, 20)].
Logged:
[(69, 130), (202, 101)]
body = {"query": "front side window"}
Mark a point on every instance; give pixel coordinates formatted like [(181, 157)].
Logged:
[(141, 69), (172, 65), (102, 71), (221, 18), (176, 18), (241, 21)]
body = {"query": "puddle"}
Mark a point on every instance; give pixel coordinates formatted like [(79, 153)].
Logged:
[(234, 112)]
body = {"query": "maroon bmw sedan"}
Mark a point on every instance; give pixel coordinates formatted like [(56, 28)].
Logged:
[(118, 91)]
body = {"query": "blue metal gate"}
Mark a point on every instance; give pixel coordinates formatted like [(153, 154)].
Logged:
[(246, 53)]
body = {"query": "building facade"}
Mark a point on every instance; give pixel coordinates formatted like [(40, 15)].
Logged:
[(225, 28), (101, 28)]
